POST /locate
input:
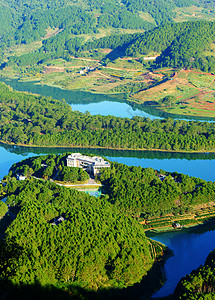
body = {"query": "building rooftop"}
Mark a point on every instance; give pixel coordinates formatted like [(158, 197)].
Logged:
[(96, 160)]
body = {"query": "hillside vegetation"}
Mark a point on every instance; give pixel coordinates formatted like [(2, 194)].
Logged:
[(145, 192), (136, 191), (27, 21), (179, 45), (65, 238)]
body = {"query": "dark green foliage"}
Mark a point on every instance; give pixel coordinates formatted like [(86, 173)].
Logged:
[(168, 100), (73, 175), (26, 21), (49, 166), (138, 191), (112, 41), (160, 10), (36, 120), (130, 87), (157, 39), (123, 18), (3, 209), (180, 45), (93, 245)]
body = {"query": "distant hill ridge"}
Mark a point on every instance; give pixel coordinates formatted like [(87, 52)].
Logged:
[(179, 45), (24, 21)]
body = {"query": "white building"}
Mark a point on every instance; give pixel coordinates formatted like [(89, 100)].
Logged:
[(20, 177), (90, 164)]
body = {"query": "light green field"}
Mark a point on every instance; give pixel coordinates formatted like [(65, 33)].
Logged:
[(194, 94), (193, 13)]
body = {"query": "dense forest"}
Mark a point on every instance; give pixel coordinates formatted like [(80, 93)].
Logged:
[(199, 284), (180, 45), (49, 166), (146, 192), (64, 238), (23, 22), (76, 240), (39, 121)]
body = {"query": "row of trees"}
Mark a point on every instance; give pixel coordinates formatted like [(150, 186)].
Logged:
[(36, 120)]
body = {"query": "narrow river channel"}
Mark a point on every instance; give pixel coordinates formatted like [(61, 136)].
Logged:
[(190, 248)]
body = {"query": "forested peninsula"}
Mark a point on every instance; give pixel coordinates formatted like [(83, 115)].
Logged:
[(62, 239), (80, 246), (38, 121), (143, 193)]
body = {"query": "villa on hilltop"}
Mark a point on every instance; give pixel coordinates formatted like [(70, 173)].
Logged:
[(92, 165)]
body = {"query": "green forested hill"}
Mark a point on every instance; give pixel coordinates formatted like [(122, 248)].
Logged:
[(26, 21), (133, 190), (36, 120), (184, 44), (179, 45), (92, 245), (138, 191)]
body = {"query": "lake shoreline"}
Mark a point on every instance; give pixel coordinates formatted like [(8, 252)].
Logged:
[(107, 148), (192, 227), (155, 111)]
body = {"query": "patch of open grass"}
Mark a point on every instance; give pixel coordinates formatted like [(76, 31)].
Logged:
[(193, 13), (200, 80)]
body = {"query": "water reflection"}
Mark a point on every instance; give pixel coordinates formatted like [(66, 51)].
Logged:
[(196, 164), (116, 104)]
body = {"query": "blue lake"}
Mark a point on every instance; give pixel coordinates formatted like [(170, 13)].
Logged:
[(190, 250), (106, 108)]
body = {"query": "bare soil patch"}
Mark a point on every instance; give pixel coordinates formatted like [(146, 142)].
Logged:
[(52, 69)]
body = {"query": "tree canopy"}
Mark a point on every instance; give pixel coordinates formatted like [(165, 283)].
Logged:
[(35, 120), (64, 238)]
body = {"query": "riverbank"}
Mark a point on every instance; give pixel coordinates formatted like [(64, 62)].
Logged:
[(191, 91), (107, 148)]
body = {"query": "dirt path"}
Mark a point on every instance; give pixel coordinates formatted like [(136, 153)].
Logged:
[(122, 69), (87, 59)]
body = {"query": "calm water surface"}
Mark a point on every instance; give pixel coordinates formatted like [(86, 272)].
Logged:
[(116, 109), (115, 105), (190, 250), (200, 167)]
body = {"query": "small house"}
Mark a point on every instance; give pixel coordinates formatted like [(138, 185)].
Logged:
[(20, 177)]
